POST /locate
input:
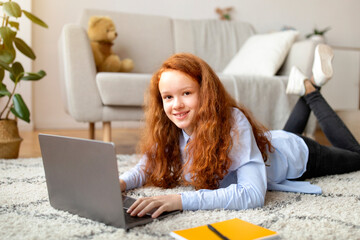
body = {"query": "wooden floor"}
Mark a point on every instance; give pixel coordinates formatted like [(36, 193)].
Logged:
[(126, 139)]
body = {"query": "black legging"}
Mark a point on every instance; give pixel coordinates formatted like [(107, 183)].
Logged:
[(343, 156)]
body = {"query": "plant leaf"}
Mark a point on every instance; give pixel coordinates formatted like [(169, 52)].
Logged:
[(12, 9), (24, 48), (325, 30), (7, 56), (14, 24), (17, 68), (8, 36), (4, 65), (4, 91), (2, 74), (17, 72), (16, 78), (20, 109), (34, 76), (7, 52), (35, 19)]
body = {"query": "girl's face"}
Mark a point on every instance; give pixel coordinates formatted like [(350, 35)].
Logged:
[(180, 96)]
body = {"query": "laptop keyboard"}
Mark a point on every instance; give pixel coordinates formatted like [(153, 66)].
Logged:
[(128, 201), (131, 219)]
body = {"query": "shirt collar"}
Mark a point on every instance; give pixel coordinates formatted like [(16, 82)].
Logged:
[(186, 137)]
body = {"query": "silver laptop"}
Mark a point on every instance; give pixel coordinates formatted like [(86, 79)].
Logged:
[(82, 178)]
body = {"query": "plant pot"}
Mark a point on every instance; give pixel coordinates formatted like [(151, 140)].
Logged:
[(9, 139), (318, 38)]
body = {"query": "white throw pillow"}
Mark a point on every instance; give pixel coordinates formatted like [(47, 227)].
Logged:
[(262, 54)]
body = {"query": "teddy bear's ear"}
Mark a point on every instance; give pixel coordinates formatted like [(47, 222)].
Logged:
[(218, 10), (94, 20), (228, 9)]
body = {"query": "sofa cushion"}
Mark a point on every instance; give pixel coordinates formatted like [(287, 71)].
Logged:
[(146, 39), (127, 89), (213, 40), (124, 89), (262, 54)]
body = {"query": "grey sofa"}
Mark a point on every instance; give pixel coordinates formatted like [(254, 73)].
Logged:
[(149, 40)]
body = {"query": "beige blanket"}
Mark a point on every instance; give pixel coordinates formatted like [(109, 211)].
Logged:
[(264, 96)]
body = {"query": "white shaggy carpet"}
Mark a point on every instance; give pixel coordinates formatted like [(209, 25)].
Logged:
[(25, 212)]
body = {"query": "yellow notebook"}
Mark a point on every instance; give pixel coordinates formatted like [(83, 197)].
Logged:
[(231, 229)]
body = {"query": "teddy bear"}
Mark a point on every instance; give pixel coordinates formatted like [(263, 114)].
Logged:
[(102, 33)]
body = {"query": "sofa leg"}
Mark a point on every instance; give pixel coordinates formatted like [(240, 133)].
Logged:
[(91, 130), (107, 131)]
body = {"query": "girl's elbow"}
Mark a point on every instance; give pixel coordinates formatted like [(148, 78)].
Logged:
[(261, 201), (243, 203), (255, 199)]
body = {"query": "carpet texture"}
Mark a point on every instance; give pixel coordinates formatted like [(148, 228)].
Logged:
[(25, 212)]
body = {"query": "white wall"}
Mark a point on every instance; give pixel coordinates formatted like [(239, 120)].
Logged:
[(25, 87), (265, 15)]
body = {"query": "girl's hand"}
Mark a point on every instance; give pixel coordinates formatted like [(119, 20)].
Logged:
[(122, 185), (165, 203)]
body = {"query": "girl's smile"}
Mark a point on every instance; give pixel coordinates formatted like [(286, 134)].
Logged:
[(181, 115), (180, 96)]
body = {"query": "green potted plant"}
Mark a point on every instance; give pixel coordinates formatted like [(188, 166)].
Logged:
[(12, 70), (318, 35)]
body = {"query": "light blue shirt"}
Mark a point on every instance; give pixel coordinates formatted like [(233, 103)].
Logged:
[(248, 178)]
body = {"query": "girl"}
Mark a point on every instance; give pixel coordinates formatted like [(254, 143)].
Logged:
[(196, 134)]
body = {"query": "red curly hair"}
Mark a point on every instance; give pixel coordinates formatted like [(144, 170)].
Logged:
[(211, 141)]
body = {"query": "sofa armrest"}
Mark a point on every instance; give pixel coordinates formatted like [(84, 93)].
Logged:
[(301, 55), (78, 72)]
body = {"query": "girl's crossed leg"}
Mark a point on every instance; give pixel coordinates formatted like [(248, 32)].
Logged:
[(344, 154)]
